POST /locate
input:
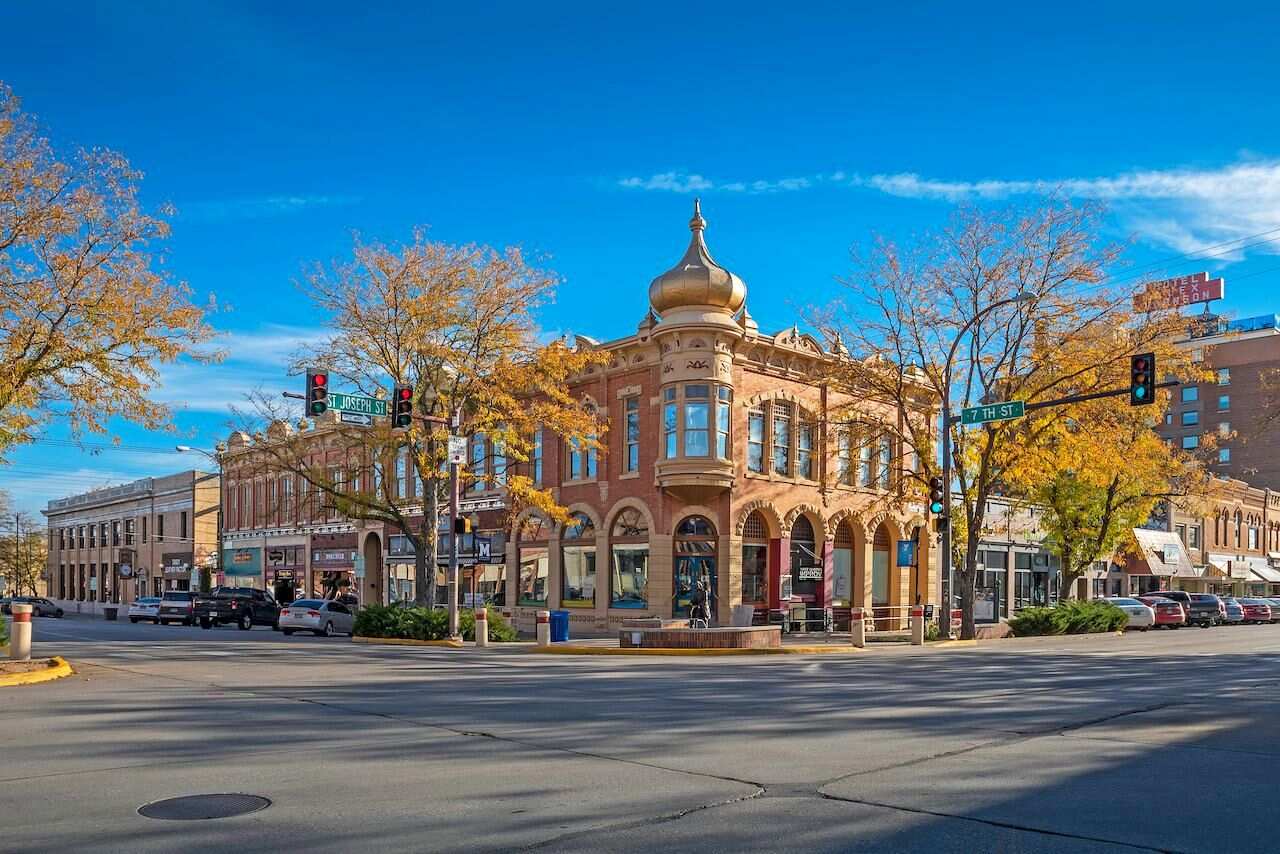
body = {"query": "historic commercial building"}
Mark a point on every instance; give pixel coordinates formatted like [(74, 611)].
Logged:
[(727, 462), (1237, 403), (117, 544)]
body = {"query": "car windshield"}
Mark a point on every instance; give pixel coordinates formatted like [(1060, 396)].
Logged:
[(179, 596), (306, 603), (1203, 597)]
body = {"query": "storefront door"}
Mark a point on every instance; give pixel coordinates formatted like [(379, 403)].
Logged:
[(695, 560)]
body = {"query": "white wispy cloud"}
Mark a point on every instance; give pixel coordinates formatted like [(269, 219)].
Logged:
[(1190, 210), (257, 207), (682, 182)]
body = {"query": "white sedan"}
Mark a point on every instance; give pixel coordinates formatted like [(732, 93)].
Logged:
[(318, 616), (146, 608), (1141, 616)]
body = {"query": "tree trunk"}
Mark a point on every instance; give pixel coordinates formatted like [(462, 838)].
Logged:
[(966, 579), (1066, 588), (424, 562)]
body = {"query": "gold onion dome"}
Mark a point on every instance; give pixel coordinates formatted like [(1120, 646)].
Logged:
[(697, 281)]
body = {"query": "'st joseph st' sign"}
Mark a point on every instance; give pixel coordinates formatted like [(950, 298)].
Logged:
[(992, 412), (357, 403)]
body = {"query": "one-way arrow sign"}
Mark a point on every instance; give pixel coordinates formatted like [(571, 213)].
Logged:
[(356, 418)]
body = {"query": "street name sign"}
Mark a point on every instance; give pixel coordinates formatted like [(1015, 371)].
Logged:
[(355, 418), (358, 404), (992, 412)]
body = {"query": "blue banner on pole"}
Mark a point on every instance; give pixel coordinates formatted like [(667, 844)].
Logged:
[(906, 552)]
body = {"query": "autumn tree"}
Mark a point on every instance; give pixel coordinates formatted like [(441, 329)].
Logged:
[(1005, 304), (24, 549), (87, 318), (458, 325)]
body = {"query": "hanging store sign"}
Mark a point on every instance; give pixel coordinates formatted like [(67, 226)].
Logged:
[(809, 573), (906, 553)]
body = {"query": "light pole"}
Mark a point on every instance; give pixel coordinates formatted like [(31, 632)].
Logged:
[(944, 618), (215, 455)]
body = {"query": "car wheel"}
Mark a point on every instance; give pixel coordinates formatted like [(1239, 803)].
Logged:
[(1143, 628), (206, 624), (133, 619), (246, 621), (58, 614), (328, 629), (287, 632)]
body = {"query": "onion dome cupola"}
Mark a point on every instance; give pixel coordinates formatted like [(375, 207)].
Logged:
[(697, 282)]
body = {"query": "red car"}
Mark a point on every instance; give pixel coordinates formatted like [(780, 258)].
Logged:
[(1168, 612), (1256, 610)]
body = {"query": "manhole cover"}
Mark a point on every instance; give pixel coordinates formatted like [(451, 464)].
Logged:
[(196, 807)]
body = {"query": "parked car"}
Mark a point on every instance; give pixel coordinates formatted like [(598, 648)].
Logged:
[(176, 606), (1182, 597), (1256, 610), (146, 608), (1206, 610), (1141, 616), (40, 606), (246, 607), (1168, 613), (1275, 607), (1233, 611), (318, 616)]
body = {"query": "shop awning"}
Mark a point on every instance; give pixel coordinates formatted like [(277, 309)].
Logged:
[(1162, 554), (1262, 569), (1238, 568)]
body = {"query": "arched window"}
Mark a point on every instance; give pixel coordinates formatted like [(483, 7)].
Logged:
[(755, 560), (534, 561), (629, 584), (806, 563), (578, 563), (1239, 525), (695, 561)]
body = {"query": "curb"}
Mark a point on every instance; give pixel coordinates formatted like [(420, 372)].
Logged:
[(452, 644), (947, 644), (57, 669), (672, 651)]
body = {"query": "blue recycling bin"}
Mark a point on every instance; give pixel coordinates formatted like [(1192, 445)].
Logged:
[(559, 626)]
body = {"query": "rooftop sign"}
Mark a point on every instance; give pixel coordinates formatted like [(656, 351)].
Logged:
[(1174, 293)]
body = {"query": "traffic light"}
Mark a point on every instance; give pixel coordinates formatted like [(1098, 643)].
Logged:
[(935, 495), (462, 525), (1142, 379), (317, 392), (402, 403)]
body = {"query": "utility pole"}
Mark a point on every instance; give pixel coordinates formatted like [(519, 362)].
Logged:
[(452, 585)]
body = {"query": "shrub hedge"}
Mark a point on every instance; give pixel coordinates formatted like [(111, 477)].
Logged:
[(1072, 617), (391, 621)]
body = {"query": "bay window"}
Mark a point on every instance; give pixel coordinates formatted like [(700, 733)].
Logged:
[(669, 410), (723, 398), (697, 417)]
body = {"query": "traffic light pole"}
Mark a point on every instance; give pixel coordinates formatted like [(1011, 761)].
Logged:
[(944, 619), (455, 540)]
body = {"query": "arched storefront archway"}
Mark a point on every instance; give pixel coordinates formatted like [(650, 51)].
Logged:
[(371, 583), (532, 544), (882, 578), (696, 552), (578, 562), (842, 567), (755, 561), (806, 564)]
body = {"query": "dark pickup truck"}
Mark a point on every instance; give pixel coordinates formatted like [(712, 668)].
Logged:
[(246, 607)]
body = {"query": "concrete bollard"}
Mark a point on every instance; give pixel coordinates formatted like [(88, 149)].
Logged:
[(857, 628), (482, 627), (20, 632), (917, 625), (544, 628)]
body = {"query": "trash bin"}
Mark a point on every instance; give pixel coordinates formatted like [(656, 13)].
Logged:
[(109, 612), (559, 626)]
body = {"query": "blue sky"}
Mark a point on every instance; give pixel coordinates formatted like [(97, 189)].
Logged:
[(277, 129)]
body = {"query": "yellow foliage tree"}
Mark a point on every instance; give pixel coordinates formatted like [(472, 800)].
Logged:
[(457, 324), (86, 319)]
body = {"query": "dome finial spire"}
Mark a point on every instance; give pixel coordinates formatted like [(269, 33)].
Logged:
[(697, 223)]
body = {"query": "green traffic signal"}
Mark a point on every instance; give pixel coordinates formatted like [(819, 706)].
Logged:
[(935, 507)]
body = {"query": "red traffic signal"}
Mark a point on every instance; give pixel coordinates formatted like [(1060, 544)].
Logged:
[(402, 403), (317, 392)]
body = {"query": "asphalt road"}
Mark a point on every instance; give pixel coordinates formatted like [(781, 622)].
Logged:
[(1161, 741)]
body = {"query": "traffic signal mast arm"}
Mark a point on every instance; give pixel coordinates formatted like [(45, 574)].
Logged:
[(1075, 398)]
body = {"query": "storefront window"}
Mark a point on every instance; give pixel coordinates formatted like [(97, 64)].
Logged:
[(578, 563), (842, 574), (534, 561), (629, 585)]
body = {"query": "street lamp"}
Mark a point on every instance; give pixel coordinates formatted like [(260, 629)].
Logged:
[(216, 456), (944, 619)]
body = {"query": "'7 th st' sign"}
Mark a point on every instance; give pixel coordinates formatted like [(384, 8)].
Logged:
[(992, 412)]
